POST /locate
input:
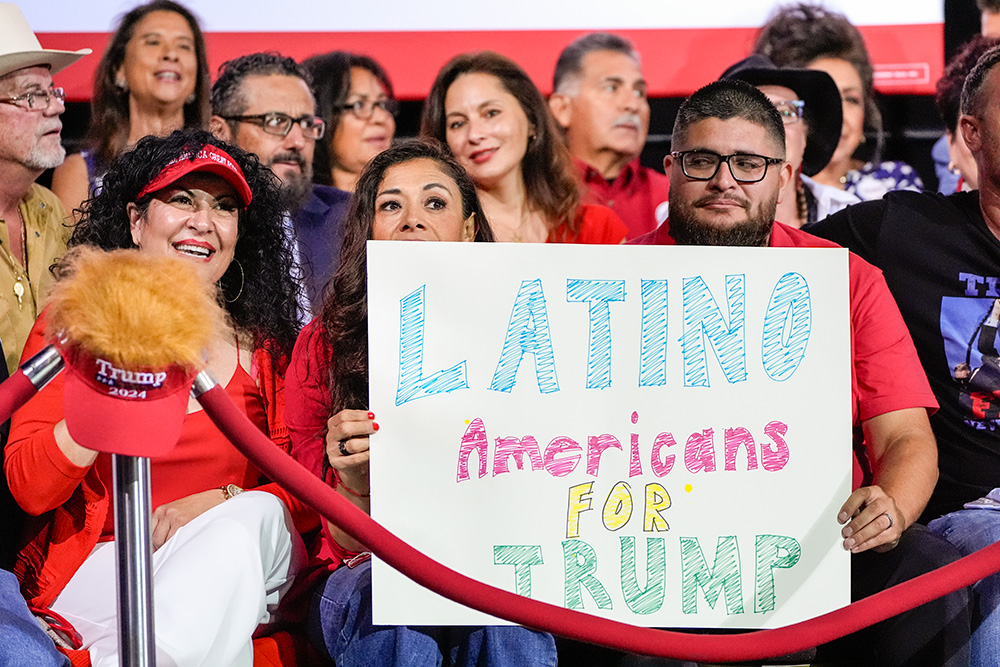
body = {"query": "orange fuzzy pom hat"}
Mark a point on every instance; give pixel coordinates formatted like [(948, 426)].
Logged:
[(132, 330)]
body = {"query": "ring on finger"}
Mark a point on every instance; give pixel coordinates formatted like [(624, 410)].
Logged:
[(344, 452), (889, 517)]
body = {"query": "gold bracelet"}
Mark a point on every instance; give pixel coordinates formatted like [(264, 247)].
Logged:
[(230, 490)]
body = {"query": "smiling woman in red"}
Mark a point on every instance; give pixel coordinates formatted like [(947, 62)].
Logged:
[(152, 79), (498, 126), (223, 558)]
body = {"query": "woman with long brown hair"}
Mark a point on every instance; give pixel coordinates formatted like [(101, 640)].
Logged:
[(487, 110), (153, 79), (413, 191)]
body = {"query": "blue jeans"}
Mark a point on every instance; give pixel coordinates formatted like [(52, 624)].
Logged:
[(969, 531), (22, 641), (340, 624)]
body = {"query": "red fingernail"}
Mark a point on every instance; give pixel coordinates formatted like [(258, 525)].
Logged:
[(371, 415), (375, 425)]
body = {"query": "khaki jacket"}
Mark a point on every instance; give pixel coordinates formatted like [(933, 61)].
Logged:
[(46, 233)]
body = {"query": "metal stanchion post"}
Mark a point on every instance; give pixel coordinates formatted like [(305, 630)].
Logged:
[(133, 543)]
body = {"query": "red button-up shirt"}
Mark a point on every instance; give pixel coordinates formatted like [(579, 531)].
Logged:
[(637, 194)]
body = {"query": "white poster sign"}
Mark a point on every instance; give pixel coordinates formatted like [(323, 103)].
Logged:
[(658, 435)]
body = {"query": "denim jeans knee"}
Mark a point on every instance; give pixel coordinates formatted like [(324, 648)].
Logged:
[(971, 530)]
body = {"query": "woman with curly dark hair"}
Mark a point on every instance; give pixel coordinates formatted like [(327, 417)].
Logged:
[(414, 191), (487, 110), (152, 79), (222, 560), (255, 287), (811, 36)]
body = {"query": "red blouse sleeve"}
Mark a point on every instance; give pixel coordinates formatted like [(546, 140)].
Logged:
[(307, 404), (40, 476), (271, 379)]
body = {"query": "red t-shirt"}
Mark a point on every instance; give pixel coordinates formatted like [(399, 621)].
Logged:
[(886, 374), (635, 194)]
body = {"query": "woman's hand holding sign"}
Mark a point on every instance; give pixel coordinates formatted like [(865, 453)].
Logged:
[(347, 446)]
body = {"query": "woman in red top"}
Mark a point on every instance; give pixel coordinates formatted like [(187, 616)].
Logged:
[(414, 191), (498, 126), (221, 560)]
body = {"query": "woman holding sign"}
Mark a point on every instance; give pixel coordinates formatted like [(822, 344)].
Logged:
[(498, 126), (414, 191)]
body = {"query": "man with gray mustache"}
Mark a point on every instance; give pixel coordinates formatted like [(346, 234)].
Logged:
[(32, 233), (599, 99), (264, 103), (32, 237)]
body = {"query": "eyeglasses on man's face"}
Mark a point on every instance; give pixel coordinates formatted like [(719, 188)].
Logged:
[(365, 108), (280, 124), (703, 165), (791, 110), (36, 100)]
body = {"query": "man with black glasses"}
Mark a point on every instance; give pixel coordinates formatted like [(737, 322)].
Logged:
[(726, 172), (263, 103)]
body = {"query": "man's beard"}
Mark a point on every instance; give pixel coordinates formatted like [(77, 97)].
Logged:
[(755, 231), (44, 158), (295, 188)]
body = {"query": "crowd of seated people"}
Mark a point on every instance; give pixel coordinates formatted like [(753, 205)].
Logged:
[(314, 170)]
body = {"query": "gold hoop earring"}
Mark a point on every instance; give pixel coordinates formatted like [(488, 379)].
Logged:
[(242, 282)]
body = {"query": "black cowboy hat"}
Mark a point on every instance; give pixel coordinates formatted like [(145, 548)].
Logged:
[(823, 111)]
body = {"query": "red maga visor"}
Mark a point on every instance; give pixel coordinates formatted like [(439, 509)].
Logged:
[(210, 159)]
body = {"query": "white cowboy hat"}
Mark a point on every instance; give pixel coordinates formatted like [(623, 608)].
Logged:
[(19, 48)]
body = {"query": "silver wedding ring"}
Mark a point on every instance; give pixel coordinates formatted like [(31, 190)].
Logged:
[(886, 514)]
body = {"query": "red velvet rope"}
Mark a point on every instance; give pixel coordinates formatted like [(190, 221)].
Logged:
[(281, 468), (15, 392)]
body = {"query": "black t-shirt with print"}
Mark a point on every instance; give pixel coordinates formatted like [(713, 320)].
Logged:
[(942, 265)]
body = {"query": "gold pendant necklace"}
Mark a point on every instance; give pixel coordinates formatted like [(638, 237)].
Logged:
[(20, 275)]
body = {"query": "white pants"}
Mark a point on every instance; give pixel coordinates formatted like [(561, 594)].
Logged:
[(214, 581)]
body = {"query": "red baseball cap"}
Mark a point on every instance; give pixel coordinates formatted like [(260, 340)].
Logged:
[(137, 412), (211, 159)]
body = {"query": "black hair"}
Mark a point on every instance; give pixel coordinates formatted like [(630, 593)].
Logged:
[(971, 103), (227, 92), (331, 75), (730, 98)]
